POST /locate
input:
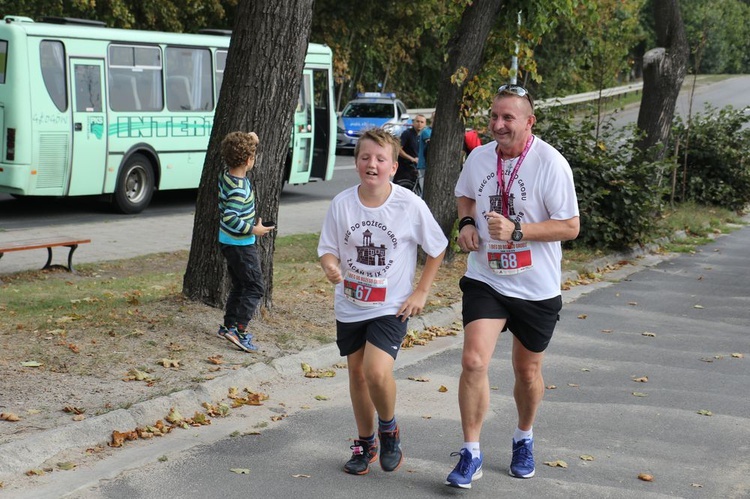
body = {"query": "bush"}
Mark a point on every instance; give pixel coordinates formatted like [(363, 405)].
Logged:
[(619, 192), (717, 170)]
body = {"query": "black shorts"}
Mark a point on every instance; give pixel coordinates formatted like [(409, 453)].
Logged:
[(532, 322), (387, 333)]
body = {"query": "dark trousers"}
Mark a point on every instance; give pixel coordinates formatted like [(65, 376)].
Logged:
[(247, 284)]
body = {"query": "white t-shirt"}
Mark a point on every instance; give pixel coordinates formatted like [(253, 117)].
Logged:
[(542, 190), (377, 248)]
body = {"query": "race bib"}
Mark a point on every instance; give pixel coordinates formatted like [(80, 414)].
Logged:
[(363, 291), (508, 258)]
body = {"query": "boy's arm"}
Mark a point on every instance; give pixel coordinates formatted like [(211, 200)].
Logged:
[(416, 301), (330, 265)]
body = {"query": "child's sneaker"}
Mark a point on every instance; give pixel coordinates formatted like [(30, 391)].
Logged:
[(232, 335), (390, 449), (363, 453), (246, 342)]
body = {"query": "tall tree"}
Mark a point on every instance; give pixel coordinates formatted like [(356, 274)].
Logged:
[(465, 54), (664, 70), (261, 87)]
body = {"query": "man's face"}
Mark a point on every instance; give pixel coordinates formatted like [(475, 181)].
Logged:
[(419, 123), (511, 120)]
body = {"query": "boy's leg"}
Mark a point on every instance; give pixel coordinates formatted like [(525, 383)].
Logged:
[(251, 288), (381, 386), (362, 405)]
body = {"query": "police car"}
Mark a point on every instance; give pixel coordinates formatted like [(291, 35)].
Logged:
[(370, 110)]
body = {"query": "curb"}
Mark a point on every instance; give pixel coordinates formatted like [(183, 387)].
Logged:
[(22, 455)]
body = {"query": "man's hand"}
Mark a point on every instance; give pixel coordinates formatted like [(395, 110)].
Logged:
[(500, 228), (468, 239)]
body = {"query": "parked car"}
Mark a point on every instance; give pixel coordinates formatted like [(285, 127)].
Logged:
[(370, 110)]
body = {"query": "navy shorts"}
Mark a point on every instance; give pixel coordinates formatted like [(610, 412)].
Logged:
[(387, 333), (532, 322)]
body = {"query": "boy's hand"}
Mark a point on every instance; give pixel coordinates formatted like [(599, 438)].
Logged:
[(330, 265), (261, 230), (413, 305)]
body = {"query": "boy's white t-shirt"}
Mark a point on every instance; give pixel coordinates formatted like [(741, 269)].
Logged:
[(377, 248), (542, 190)]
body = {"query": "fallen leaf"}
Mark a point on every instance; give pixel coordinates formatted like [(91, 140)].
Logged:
[(321, 397), (299, 475), (31, 363), (79, 417), (697, 306), (574, 385), (174, 416), (738, 355), (696, 485), (73, 409), (633, 303), (704, 412), (240, 471), (646, 333), (216, 359), (586, 457), (35, 472), (169, 362), (443, 389), (66, 466), (645, 477), (606, 330), (421, 379), (551, 387), (582, 316), (557, 464), (9, 416), (639, 394), (642, 379)]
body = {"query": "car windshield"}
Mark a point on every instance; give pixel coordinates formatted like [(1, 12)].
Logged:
[(368, 110)]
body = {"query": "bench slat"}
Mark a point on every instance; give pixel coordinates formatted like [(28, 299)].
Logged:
[(40, 243)]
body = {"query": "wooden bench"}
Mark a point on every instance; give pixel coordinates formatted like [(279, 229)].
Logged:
[(49, 243)]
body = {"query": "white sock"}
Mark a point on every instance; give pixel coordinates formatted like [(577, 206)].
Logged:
[(472, 447), (522, 435)]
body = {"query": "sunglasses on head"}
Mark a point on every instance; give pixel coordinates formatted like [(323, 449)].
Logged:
[(513, 89)]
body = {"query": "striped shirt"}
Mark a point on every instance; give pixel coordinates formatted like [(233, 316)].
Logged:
[(236, 210)]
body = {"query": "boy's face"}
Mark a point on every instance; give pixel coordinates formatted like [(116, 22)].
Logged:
[(250, 164), (375, 163)]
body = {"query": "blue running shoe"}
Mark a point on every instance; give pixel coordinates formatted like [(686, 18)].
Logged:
[(246, 342), (466, 470), (232, 335), (522, 464)]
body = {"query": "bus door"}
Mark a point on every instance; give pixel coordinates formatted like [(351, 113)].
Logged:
[(89, 127), (302, 137)]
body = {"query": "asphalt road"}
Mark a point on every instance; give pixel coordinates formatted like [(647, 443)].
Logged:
[(681, 322)]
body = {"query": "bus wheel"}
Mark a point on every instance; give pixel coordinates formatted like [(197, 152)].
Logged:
[(135, 185)]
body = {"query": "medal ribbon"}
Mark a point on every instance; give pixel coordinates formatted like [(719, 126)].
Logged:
[(505, 190)]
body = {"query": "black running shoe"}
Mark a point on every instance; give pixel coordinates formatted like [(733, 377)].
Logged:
[(363, 453), (390, 450)]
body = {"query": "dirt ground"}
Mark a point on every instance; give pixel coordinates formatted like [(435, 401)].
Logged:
[(157, 348)]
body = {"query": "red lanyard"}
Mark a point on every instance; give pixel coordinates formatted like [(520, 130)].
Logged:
[(505, 190)]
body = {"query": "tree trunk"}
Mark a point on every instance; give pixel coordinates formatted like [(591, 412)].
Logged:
[(260, 90), (465, 54), (664, 70)]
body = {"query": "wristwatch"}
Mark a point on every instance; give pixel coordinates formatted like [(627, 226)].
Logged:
[(517, 232)]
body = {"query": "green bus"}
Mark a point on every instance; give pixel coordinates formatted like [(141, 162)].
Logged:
[(91, 110)]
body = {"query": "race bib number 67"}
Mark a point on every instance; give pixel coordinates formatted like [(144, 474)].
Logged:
[(365, 291)]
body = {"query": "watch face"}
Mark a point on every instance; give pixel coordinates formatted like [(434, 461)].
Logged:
[(517, 235)]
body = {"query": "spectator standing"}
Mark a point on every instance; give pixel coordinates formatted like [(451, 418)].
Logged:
[(238, 228), (408, 156)]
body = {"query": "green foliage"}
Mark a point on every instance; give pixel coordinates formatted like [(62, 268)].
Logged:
[(716, 171), (619, 200)]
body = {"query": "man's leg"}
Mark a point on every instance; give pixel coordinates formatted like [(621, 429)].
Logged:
[(528, 389), (480, 338)]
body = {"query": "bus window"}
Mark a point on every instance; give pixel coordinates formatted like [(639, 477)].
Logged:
[(189, 86), (3, 59), (135, 78), (221, 64), (52, 57), (88, 89)]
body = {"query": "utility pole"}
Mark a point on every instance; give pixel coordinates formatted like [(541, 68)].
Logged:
[(514, 60)]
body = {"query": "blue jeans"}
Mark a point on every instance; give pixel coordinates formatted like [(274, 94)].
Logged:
[(247, 284)]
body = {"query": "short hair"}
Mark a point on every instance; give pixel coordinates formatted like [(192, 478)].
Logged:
[(382, 138), (513, 90), (238, 147)]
